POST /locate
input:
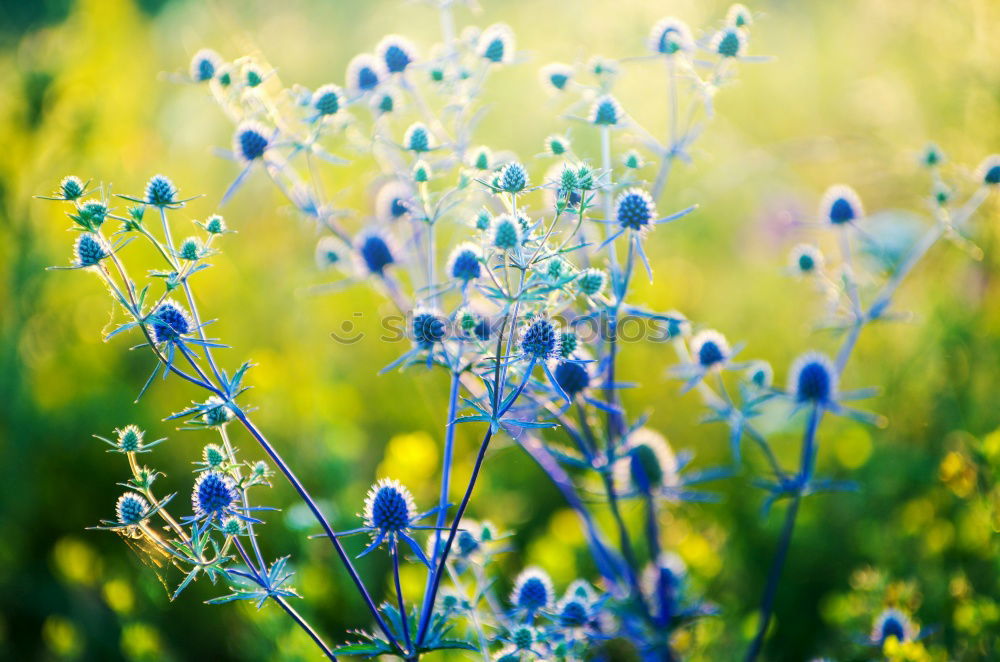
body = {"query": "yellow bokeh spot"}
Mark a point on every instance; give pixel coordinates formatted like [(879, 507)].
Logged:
[(566, 528), (958, 473), (76, 561), (141, 642), (118, 595), (61, 636), (699, 555), (853, 448), (410, 458)]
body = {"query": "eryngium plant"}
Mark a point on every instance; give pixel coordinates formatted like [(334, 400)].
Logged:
[(523, 315)]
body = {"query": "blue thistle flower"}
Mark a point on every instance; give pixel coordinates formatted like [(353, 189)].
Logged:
[(130, 439), (677, 325), (729, 42), (393, 201), (160, 191), (606, 111), (506, 233), (467, 543), (252, 75), (89, 250), (204, 64), (422, 172), (482, 158), (932, 156), (989, 170), (532, 591), (483, 331), (191, 249), (384, 102), (375, 253), (364, 73), (592, 281), (428, 327), (710, 348), (214, 493), (389, 508), (813, 379), (170, 322), (648, 463), (71, 188), (216, 412), (465, 262), (760, 374), (671, 36), (231, 526), (569, 343), (523, 637), (739, 16), (397, 53), (250, 141), (496, 44), (557, 145), (328, 100), (806, 259), (632, 160), (215, 225), (212, 456), (513, 178), (417, 138), (541, 340), (131, 509), (635, 210), (573, 612), (892, 622), (483, 220), (572, 377), (557, 75), (328, 252), (840, 205)]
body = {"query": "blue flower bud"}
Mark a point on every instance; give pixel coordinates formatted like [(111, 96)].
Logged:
[(465, 262), (131, 509), (204, 64), (389, 507), (513, 178), (840, 205), (328, 100), (375, 253), (532, 590), (710, 348), (170, 322), (364, 73), (213, 493), (250, 141), (496, 44), (671, 36), (606, 111), (813, 378), (541, 340), (397, 53), (89, 250), (635, 210)]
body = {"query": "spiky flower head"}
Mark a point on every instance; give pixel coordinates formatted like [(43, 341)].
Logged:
[(217, 412), (541, 340), (710, 348), (389, 508), (375, 253), (592, 281), (428, 327), (215, 224), (892, 622), (191, 249), (532, 590), (231, 526), (328, 252), (160, 191), (677, 325), (364, 73), (606, 111), (129, 439), (569, 342), (422, 172), (417, 138), (522, 637), (671, 36), (989, 170), (513, 178), (557, 144), (557, 268), (253, 76), (557, 75), (170, 322), (465, 262), (250, 141), (573, 612), (648, 462), (572, 377), (131, 509), (739, 16), (483, 220), (496, 44), (505, 232), (92, 212), (633, 160), (214, 493), (482, 158), (813, 378), (213, 456), (384, 102), (635, 210), (328, 99), (392, 201), (839, 205), (729, 42), (90, 249), (931, 156), (204, 64), (805, 259), (760, 374), (397, 53), (71, 188)]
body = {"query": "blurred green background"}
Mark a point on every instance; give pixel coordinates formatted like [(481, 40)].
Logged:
[(856, 90)]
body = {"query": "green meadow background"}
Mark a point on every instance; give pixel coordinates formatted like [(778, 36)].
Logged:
[(856, 89)]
